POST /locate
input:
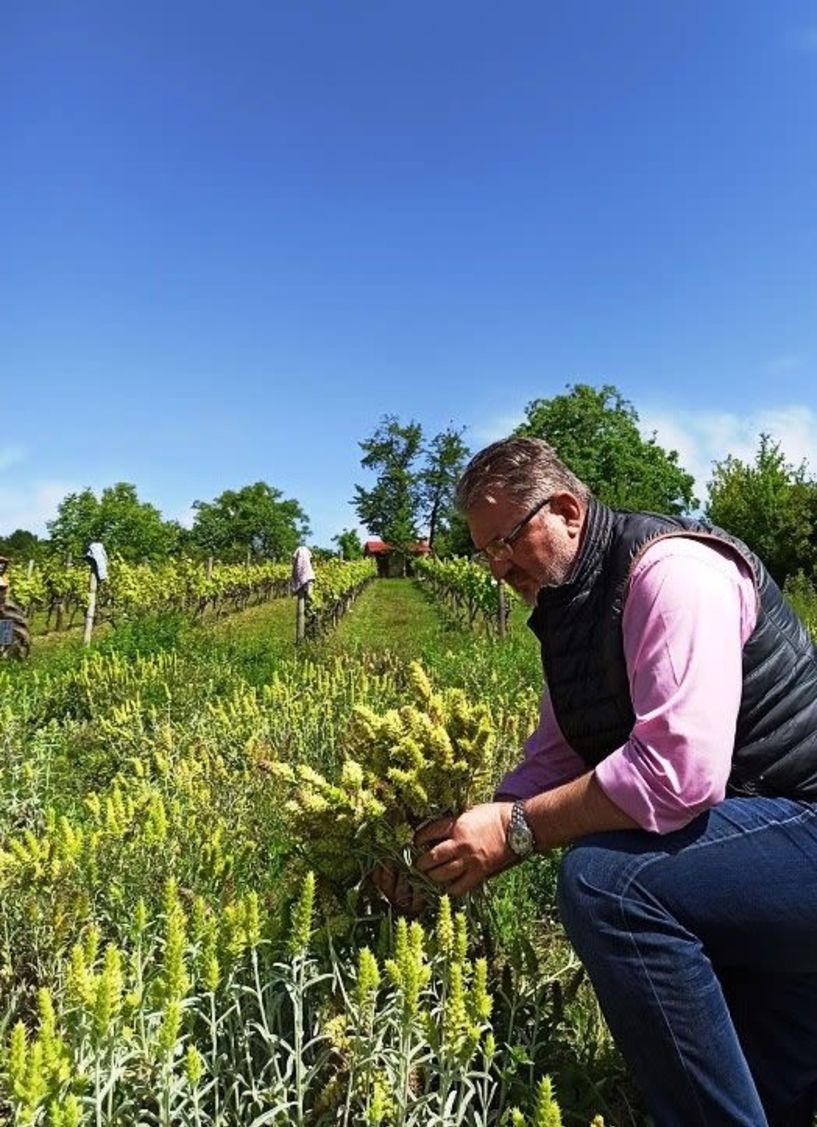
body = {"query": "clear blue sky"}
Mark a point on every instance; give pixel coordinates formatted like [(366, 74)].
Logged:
[(232, 236)]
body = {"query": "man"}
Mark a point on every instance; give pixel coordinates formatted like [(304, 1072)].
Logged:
[(677, 755)]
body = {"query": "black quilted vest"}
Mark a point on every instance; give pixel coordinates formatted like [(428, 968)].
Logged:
[(578, 625)]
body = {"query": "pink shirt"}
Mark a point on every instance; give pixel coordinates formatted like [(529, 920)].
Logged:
[(689, 609)]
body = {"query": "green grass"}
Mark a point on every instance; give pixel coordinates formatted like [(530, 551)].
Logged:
[(272, 622), (269, 627), (393, 614)]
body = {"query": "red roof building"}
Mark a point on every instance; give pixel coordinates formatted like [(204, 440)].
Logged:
[(381, 548), (389, 563)]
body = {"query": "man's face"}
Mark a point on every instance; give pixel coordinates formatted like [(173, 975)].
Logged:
[(543, 552)]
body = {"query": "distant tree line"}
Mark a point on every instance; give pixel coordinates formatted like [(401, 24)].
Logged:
[(767, 502), (255, 522)]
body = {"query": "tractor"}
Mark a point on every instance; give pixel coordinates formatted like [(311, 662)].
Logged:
[(15, 636)]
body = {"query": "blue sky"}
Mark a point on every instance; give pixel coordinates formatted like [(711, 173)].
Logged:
[(231, 237)]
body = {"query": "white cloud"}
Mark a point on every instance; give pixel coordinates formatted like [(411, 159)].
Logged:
[(30, 506), (493, 429), (704, 437)]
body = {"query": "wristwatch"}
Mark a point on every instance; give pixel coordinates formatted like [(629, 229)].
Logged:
[(520, 837)]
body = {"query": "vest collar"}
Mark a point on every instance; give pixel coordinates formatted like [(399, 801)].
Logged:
[(598, 528)]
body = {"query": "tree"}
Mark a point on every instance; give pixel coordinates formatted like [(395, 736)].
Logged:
[(22, 545), (445, 458), (126, 526), (252, 521), (320, 554), (595, 432), (454, 539), (390, 509), (76, 523), (349, 544), (770, 505)]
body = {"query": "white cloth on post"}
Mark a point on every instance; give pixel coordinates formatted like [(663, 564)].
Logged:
[(97, 557), (302, 570)]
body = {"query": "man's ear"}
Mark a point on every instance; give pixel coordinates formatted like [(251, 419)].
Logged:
[(568, 506)]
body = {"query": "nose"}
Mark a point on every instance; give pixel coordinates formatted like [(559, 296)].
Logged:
[(499, 568)]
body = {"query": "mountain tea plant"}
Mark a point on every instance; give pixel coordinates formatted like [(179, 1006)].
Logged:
[(185, 936), (433, 756)]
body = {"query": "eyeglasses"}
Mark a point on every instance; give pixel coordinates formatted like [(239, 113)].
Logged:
[(500, 548)]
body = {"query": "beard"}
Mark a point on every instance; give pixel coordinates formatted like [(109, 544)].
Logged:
[(527, 584)]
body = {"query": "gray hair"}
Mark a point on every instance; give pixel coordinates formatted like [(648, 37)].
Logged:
[(522, 469)]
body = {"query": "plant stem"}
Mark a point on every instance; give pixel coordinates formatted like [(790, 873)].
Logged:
[(299, 1038), (214, 1057)]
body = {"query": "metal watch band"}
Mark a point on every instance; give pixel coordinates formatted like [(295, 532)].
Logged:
[(520, 834)]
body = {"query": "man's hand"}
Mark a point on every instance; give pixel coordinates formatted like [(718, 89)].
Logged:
[(393, 882), (463, 852)]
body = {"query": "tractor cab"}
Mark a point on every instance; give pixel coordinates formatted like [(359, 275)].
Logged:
[(15, 636)]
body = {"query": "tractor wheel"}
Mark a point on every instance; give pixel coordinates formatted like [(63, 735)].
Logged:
[(12, 610), (20, 644)]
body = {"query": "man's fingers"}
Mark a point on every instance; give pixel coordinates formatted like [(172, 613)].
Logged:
[(439, 854), (403, 891), (434, 831), (418, 902), (465, 884), (452, 870), (395, 884), (384, 878)]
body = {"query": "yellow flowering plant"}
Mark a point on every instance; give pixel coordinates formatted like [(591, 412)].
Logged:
[(434, 755)]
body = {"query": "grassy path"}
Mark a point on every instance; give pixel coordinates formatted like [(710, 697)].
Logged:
[(392, 614), (389, 614), (272, 622)]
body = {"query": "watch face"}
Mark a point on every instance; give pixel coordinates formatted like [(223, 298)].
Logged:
[(520, 839)]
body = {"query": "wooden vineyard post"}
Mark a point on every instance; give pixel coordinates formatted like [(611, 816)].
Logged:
[(61, 601), (503, 609), (302, 578), (90, 614), (209, 567), (300, 616), (30, 569)]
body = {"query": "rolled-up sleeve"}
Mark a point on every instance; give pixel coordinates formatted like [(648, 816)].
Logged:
[(689, 610), (549, 760)]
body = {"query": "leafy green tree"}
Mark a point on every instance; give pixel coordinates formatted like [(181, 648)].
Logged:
[(254, 521), (22, 545), (390, 509), (126, 526), (454, 538), (414, 485), (445, 458), (770, 505), (595, 432), (76, 523), (349, 544)]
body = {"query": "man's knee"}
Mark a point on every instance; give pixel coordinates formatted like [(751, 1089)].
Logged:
[(589, 887)]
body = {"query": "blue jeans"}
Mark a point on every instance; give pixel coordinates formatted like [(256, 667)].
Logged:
[(702, 948)]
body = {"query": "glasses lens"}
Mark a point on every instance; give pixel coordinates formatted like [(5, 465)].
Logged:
[(497, 551)]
